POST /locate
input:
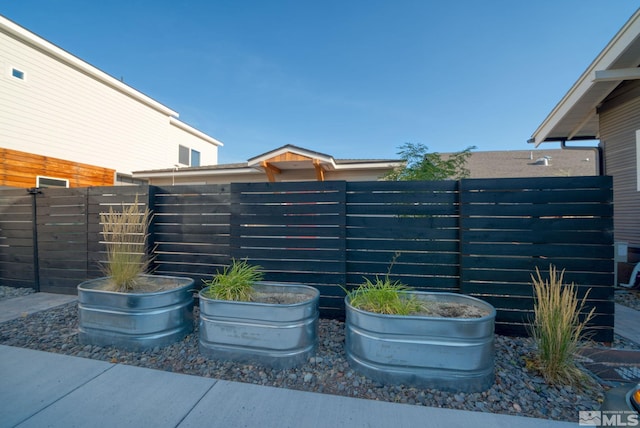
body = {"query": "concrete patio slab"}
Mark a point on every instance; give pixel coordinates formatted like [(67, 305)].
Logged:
[(258, 406), (32, 380), (17, 307), (627, 323), (126, 396)]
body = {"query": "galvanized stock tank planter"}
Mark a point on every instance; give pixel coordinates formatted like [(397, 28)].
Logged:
[(277, 335), (135, 320), (446, 353)]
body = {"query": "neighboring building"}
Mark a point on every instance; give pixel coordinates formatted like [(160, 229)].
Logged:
[(54, 105), (287, 163), (292, 163), (604, 104), (532, 163)]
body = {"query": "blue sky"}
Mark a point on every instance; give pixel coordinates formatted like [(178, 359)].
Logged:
[(349, 78)]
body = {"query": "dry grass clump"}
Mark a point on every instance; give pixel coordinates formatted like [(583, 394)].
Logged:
[(557, 328), (125, 234)]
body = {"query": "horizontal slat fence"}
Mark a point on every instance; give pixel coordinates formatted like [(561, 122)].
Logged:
[(191, 230), (16, 239), (62, 239), (296, 232), (407, 230), (510, 227), (480, 237)]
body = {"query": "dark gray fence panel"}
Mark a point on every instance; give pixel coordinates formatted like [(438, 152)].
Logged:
[(412, 225), (191, 230), (16, 239), (510, 227), (296, 232), (62, 239), (478, 237)]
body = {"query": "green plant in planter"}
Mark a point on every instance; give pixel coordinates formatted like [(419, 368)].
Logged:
[(384, 296), (125, 234), (235, 282)]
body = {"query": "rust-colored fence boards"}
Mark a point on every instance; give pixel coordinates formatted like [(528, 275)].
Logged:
[(511, 226), (296, 232), (16, 239), (479, 237)]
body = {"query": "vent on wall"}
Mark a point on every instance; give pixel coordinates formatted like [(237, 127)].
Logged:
[(51, 182)]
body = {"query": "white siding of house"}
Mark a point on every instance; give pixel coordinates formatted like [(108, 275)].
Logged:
[(60, 111), (179, 136)]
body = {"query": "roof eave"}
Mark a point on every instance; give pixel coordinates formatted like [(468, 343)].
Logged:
[(191, 130), (589, 91)]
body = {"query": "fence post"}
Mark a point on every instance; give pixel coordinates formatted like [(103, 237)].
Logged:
[(34, 191)]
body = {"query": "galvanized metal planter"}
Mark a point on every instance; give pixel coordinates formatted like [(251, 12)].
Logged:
[(272, 334), (135, 321), (454, 354)]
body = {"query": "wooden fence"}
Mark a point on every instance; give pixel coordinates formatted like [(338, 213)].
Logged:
[(479, 237)]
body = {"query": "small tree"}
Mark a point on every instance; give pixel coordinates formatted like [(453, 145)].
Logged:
[(422, 165)]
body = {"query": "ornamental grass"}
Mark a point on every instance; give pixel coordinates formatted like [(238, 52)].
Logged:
[(384, 296), (125, 235), (558, 328), (235, 282)]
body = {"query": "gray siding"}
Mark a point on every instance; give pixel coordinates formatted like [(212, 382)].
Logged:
[(619, 121)]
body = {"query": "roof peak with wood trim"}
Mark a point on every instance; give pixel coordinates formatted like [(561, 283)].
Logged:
[(290, 157)]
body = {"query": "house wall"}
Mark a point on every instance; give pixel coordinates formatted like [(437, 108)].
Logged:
[(21, 169), (61, 110), (178, 137), (619, 121)]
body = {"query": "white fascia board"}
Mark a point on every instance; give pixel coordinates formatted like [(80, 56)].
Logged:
[(369, 165), (193, 131), (187, 172), (617, 75), (616, 47), (65, 57)]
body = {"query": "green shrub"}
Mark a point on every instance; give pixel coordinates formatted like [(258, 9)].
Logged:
[(235, 282), (557, 328), (125, 235)]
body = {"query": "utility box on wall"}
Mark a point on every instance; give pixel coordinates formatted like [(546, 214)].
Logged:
[(620, 255)]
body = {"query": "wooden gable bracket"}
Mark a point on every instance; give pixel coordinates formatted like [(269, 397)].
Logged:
[(271, 171), (319, 170)]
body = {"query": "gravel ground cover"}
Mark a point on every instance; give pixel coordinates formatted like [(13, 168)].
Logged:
[(517, 390), (629, 298)]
